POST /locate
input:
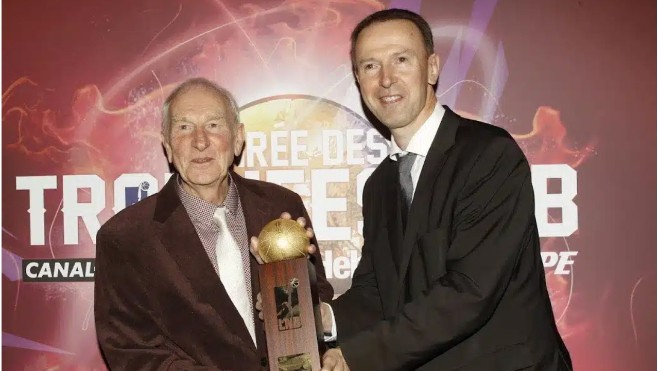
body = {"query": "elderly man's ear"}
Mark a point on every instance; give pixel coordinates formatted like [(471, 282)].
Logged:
[(238, 140), (167, 147)]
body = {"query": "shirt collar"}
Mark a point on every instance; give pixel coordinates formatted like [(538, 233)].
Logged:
[(201, 210), (422, 140)]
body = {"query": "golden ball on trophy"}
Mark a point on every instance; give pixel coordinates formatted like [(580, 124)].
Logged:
[(282, 239)]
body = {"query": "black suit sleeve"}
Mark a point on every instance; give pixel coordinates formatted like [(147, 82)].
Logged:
[(325, 290), (127, 333), (493, 223)]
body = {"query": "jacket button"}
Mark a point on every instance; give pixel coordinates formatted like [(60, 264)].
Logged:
[(263, 361)]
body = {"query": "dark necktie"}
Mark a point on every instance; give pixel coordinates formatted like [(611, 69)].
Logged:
[(405, 162)]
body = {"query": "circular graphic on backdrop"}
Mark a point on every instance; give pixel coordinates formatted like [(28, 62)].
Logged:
[(324, 152)]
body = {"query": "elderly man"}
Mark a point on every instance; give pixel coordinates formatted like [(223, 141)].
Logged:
[(175, 283), (451, 275)]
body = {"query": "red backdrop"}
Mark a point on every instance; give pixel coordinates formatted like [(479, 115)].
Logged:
[(83, 82)]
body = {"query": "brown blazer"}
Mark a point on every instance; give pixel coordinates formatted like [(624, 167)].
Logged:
[(159, 305)]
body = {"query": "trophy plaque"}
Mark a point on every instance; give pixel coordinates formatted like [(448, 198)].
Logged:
[(293, 325)]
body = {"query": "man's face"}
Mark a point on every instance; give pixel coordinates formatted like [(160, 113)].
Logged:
[(395, 74), (203, 139)]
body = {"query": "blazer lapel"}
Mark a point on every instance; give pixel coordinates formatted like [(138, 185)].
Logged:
[(420, 206), (255, 208), (392, 204), (180, 239), (387, 240)]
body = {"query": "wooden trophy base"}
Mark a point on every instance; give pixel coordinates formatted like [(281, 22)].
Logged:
[(289, 314)]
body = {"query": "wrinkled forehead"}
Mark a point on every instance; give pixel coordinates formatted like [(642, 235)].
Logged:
[(200, 98)]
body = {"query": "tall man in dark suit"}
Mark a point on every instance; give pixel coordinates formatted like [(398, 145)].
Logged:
[(451, 276), (175, 283)]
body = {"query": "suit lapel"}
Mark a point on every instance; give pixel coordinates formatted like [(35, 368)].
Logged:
[(255, 208), (420, 206), (180, 239), (392, 204), (387, 240)]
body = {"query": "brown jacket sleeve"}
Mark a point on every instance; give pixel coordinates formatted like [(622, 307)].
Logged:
[(127, 333)]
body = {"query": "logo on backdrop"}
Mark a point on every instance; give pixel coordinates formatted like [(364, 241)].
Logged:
[(323, 151)]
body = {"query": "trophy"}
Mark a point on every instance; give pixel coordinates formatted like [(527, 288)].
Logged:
[(291, 311)]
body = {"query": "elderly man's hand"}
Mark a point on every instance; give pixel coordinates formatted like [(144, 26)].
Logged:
[(309, 233), (259, 306), (333, 360)]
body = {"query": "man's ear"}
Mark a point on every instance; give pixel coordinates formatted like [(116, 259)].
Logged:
[(167, 147), (432, 69), (238, 140)]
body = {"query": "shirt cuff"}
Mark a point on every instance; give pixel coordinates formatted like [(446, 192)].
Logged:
[(334, 331)]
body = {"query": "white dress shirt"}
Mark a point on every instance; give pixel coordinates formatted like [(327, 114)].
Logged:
[(420, 143)]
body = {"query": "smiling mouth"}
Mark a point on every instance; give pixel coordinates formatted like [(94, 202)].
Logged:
[(202, 160), (390, 99)]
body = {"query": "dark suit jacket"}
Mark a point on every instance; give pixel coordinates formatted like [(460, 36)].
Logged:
[(159, 303), (468, 290)]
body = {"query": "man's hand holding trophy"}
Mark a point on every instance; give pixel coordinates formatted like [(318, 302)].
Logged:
[(288, 302)]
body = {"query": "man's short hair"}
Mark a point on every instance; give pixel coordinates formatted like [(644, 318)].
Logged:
[(392, 15), (198, 82)]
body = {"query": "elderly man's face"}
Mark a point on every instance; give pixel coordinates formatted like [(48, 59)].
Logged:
[(203, 140), (394, 72)]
